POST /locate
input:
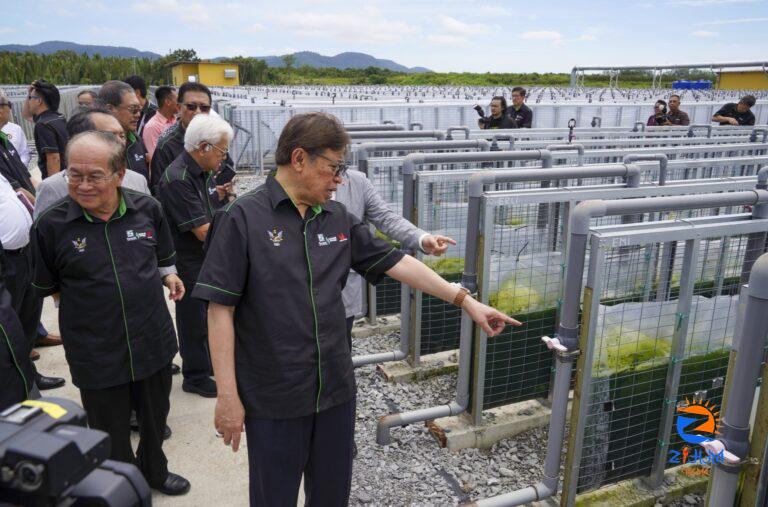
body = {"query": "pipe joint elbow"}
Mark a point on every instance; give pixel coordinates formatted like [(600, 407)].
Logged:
[(584, 212)]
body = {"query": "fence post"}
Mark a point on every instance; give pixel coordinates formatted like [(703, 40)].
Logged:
[(687, 280)]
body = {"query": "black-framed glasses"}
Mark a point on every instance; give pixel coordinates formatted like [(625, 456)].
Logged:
[(77, 178), (5, 104), (339, 168), (224, 153), (33, 97), (131, 109), (192, 106)]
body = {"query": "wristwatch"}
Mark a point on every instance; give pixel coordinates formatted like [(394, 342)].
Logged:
[(459, 299)]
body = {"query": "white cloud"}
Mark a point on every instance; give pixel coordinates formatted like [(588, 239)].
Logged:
[(348, 27), (6, 29), (494, 10), (705, 34), (733, 21), (541, 35), (454, 26), (256, 27), (446, 40), (194, 14), (587, 37)]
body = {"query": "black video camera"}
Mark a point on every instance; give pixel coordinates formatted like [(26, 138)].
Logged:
[(49, 458)]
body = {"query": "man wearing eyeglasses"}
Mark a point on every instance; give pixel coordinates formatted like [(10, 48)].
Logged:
[(120, 99), (11, 164), (276, 262), (193, 99), (190, 197), (100, 249), (50, 132)]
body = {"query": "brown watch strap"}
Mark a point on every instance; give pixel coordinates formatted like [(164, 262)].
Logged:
[(459, 299)]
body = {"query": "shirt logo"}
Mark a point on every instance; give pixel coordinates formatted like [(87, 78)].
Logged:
[(342, 237), (275, 236), (131, 235), (138, 157), (211, 191), (80, 244), (323, 240)]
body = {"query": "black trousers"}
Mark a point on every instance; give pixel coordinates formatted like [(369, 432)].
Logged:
[(318, 445), (18, 274), (109, 410), (192, 326)]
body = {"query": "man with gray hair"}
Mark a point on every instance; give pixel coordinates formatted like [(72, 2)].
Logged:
[(86, 98), (120, 99), (100, 248), (190, 196)]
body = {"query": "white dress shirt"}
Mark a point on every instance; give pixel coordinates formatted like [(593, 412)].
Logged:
[(16, 220), (19, 141)]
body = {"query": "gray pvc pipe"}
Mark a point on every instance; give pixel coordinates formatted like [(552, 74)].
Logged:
[(451, 130), (660, 157), (762, 178), (363, 150), (638, 124), (372, 128), (753, 134), (396, 134), (734, 428), (578, 148), (416, 124), (706, 126)]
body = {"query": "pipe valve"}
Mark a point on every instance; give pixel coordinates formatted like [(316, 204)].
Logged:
[(554, 344), (716, 447)]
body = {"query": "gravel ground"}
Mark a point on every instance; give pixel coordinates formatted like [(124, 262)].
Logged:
[(413, 469)]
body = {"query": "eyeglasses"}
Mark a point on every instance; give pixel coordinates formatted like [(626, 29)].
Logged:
[(33, 97), (339, 168), (2, 104), (224, 153), (131, 109), (191, 106), (77, 178)]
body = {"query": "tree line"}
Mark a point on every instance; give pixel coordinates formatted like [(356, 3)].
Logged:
[(68, 67)]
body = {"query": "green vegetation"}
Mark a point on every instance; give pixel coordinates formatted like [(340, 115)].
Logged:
[(446, 265), (68, 67), (513, 299), (625, 349)]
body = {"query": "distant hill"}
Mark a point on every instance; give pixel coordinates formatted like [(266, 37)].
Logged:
[(341, 61), (51, 46)]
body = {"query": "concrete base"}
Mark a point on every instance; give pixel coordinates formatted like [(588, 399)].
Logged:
[(457, 432), (431, 365), (388, 324), (678, 482)]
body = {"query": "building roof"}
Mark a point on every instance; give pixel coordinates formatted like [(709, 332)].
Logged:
[(197, 62)]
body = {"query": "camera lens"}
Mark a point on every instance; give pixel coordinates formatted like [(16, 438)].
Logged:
[(30, 476)]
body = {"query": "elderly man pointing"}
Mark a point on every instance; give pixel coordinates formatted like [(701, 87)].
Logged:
[(277, 260)]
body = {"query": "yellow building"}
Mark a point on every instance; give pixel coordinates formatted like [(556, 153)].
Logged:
[(743, 80), (208, 73)]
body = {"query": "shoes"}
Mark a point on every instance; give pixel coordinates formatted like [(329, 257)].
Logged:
[(135, 426), (44, 383), (34, 355), (205, 387), (175, 369), (174, 485), (48, 341)]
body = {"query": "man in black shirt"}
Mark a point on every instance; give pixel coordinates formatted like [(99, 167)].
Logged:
[(277, 259), (519, 115), (736, 114), (498, 118), (100, 248), (50, 132), (189, 196), (148, 109), (193, 99), (121, 101)]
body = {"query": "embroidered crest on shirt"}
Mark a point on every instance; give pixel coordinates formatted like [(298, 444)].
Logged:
[(275, 236), (80, 244), (131, 235)]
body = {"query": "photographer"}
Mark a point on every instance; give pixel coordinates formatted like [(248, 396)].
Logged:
[(659, 116), (519, 116), (498, 118)]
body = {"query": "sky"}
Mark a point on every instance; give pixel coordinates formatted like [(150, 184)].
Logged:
[(442, 35)]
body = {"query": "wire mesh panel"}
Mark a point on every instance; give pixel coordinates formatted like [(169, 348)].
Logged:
[(523, 274), (650, 344)]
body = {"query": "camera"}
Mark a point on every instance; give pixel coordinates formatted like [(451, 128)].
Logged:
[(49, 458)]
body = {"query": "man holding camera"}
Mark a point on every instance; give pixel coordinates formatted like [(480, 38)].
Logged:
[(498, 119), (100, 248), (190, 195)]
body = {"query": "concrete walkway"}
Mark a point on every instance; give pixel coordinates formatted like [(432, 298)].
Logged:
[(218, 476)]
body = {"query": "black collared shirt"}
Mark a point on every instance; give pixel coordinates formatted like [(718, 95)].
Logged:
[(284, 274), (729, 110), (678, 117), (189, 200), (136, 155), (50, 137), (12, 168), (113, 316), (520, 118), (169, 146)]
